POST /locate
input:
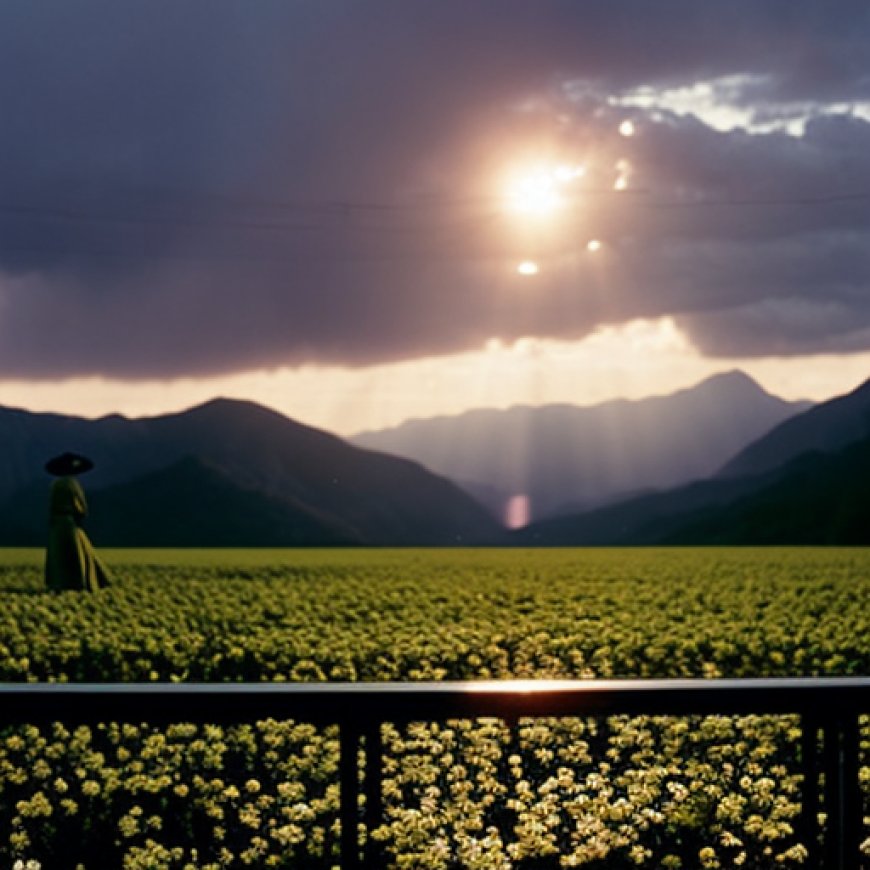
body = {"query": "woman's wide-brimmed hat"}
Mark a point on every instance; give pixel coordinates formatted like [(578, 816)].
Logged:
[(67, 464)]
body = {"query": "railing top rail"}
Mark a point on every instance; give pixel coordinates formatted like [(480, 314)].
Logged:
[(821, 697)]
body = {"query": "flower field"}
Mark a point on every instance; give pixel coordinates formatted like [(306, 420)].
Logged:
[(618, 792)]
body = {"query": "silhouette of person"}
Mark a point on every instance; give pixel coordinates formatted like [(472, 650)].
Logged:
[(70, 559)]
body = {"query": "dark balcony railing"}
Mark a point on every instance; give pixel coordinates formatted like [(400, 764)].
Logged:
[(829, 709)]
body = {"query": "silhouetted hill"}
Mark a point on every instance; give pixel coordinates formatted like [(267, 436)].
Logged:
[(564, 456), (818, 498), (242, 450), (193, 504), (28, 439), (826, 427), (644, 519)]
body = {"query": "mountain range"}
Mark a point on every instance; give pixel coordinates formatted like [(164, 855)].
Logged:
[(229, 473), (801, 483), (565, 457)]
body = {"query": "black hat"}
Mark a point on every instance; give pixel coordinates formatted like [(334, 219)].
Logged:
[(67, 464)]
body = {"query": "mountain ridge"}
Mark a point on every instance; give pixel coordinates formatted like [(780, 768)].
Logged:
[(563, 456), (816, 498), (791, 501), (827, 426), (382, 499)]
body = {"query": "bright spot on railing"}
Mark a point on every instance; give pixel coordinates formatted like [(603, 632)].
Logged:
[(518, 687)]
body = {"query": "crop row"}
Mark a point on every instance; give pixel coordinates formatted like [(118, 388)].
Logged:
[(485, 614)]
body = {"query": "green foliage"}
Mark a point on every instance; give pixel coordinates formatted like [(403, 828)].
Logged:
[(616, 792)]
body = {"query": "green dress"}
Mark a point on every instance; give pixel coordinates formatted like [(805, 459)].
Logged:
[(70, 559)]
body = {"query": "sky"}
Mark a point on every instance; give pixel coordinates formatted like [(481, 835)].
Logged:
[(329, 206)]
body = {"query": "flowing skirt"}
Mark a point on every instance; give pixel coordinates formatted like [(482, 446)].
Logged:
[(70, 559)]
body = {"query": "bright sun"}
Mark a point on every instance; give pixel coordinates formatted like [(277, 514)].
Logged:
[(540, 191), (534, 194)]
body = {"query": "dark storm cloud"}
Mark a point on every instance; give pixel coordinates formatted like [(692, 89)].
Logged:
[(205, 186), (781, 327)]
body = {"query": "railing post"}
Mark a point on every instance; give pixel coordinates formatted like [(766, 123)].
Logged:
[(373, 785), (852, 816), (809, 818), (842, 793), (348, 773)]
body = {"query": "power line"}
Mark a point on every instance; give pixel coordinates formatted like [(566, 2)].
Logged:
[(822, 199), (345, 213), (337, 218), (431, 237)]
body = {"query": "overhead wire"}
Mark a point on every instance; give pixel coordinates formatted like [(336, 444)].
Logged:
[(340, 211), (406, 219)]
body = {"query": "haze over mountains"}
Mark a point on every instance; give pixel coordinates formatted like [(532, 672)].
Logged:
[(804, 482), (826, 428), (564, 457), (232, 473)]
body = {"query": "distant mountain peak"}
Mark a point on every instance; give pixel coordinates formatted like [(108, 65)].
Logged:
[(236, 413), (560, 456), (734, 382), (732, 376), (223, 404)]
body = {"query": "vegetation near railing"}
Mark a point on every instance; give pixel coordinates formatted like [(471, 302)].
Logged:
[(829, 709)]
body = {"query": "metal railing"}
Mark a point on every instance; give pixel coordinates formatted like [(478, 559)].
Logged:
[(829, 709)]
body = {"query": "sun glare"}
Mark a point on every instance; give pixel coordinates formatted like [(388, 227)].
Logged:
[(540, 191), (566, 173), (528, 267), (534, 194), (543, 189)]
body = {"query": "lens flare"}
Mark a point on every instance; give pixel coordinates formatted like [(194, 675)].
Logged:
[(623, 169), (593, 245), (517, 511), (626, 128)]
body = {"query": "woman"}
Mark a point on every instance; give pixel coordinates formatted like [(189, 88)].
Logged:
[(70, 559)]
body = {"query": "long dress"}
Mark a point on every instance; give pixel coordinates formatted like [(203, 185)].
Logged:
[(70, 559)]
